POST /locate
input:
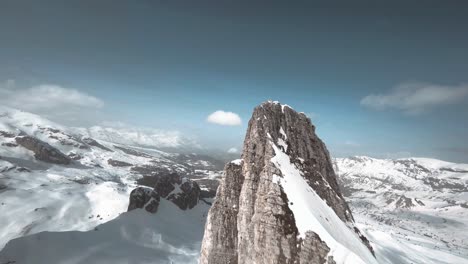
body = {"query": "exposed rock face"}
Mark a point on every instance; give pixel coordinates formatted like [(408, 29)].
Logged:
[(181, 191), (43, 151), (221, 236), (94, 143), (146, 198), (251, 220), (7, 134), (133, 152), (118, 163)]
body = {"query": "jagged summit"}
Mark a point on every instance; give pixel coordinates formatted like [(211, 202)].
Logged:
[(281, 203), (294, 134)]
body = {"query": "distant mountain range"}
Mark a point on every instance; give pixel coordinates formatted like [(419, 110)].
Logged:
[(414, 210), (55, 178)]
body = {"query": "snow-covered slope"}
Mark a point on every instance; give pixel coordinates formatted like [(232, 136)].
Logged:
[(314, 214), (89, 186), (170, 236), (413, 210)]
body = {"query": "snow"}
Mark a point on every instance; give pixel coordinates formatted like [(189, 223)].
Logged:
[(433, 231), (277, 102), (170, 236), (77, 197), (283, 144), (50, 201), (237, 162), (313, 214), (390, 250), (105, 201), (283, 133)]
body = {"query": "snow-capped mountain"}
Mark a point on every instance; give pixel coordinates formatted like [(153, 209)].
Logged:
[(57, 178), (413, 210), (281, 203)]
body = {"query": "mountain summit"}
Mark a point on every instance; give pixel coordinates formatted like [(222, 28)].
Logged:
[(281, 202)]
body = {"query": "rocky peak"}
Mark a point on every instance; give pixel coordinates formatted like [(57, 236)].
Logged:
[(293, 133), (281, 203)]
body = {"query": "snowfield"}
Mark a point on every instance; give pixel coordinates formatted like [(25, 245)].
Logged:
[(412, 210), (170, 236)]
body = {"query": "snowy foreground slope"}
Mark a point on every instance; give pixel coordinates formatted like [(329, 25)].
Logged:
[(412, 210), (55, 178), (170, 236)]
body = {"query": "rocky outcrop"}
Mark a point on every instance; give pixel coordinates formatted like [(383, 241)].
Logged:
[(7, 134), (143, 197), (181, 191), (133, 152), (118, 163), (251, 220), (94, 143), (42, 150)]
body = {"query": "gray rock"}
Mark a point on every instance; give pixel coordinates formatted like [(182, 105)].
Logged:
[(181, 191), (221, 237), (94, 143), (133, 152), (42, 150), (118, 163), (250, 220), (9, 144), (142, 197), (6, 134)]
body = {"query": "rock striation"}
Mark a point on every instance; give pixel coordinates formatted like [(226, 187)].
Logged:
[(254, 219)]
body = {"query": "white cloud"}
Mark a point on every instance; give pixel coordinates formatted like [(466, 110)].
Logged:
[(52, 101), (224, 118), (416, 98), (233, 151)]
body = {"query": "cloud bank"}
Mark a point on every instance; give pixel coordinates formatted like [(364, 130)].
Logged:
[(416, 98), (224, 118), (46, 96), (64, 105)]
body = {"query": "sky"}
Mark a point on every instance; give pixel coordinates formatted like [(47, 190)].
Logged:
[(387, 80)]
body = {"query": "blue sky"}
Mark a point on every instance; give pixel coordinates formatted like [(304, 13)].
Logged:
[(170, 64)]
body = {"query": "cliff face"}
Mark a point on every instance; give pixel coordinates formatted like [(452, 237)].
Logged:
[(281, 203)]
